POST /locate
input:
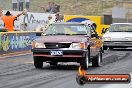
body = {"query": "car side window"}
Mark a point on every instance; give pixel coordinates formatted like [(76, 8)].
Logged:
[(88, 30)]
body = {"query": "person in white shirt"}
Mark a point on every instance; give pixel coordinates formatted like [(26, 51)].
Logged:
[(27, 2), (14, 5)]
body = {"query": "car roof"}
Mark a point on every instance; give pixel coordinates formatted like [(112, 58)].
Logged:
[(70, 23), (121, 23)]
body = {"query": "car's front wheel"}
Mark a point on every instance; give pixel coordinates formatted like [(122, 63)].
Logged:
[(85, 61), (38, 63), (97, 61)]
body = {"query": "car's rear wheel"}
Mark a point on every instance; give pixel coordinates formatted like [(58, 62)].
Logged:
[(53, 63), (85, 61), (38, 63), (97, 61)]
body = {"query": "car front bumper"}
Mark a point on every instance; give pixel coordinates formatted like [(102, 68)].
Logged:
[(66, 52), (118, 43)]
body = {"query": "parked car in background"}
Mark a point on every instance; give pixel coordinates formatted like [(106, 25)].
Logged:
[(68, 42), (119, 35)]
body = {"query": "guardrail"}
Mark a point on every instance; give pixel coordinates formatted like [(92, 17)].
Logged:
[(11, 42)]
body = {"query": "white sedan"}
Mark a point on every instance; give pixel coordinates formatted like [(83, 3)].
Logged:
[(119, 35)]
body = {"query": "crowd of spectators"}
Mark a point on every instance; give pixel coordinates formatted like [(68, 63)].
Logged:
[(51, 7), (18, 5)]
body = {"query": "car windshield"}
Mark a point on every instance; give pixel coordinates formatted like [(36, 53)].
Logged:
[(120, 28), (67, 29)]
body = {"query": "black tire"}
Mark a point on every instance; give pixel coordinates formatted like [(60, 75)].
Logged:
[(38, 63), (97, 61), (53, 63), (85, 61), (105, 47)]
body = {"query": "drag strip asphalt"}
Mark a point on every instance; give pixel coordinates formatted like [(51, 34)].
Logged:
[(19, 71)]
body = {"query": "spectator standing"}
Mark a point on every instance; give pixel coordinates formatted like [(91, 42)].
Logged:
[(8, 20), (14, 5), (57, 8), (27, 4), (48, 7), (53, 7), (50, 21), (21, 4), (59, 17)]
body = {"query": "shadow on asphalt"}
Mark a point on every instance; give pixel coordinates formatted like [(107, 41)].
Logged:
[(66, 67), (61, 67)]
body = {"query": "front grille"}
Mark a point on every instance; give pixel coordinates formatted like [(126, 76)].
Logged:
[(57, 45)]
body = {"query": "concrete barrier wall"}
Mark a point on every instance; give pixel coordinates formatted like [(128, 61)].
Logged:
[(16, 41)]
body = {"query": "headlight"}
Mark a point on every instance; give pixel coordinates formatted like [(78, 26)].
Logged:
[(128, 38), (37, 45), (78, 45), (106, 38)]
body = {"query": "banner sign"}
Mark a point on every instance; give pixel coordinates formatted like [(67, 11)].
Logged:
[(32, 20), (97, 20), (16, 42)]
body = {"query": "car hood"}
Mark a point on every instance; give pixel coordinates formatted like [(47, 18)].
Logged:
[(118, 34), (62, 38)]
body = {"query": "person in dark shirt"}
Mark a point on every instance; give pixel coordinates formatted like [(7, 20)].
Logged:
[(21, 4), (14, 5)]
